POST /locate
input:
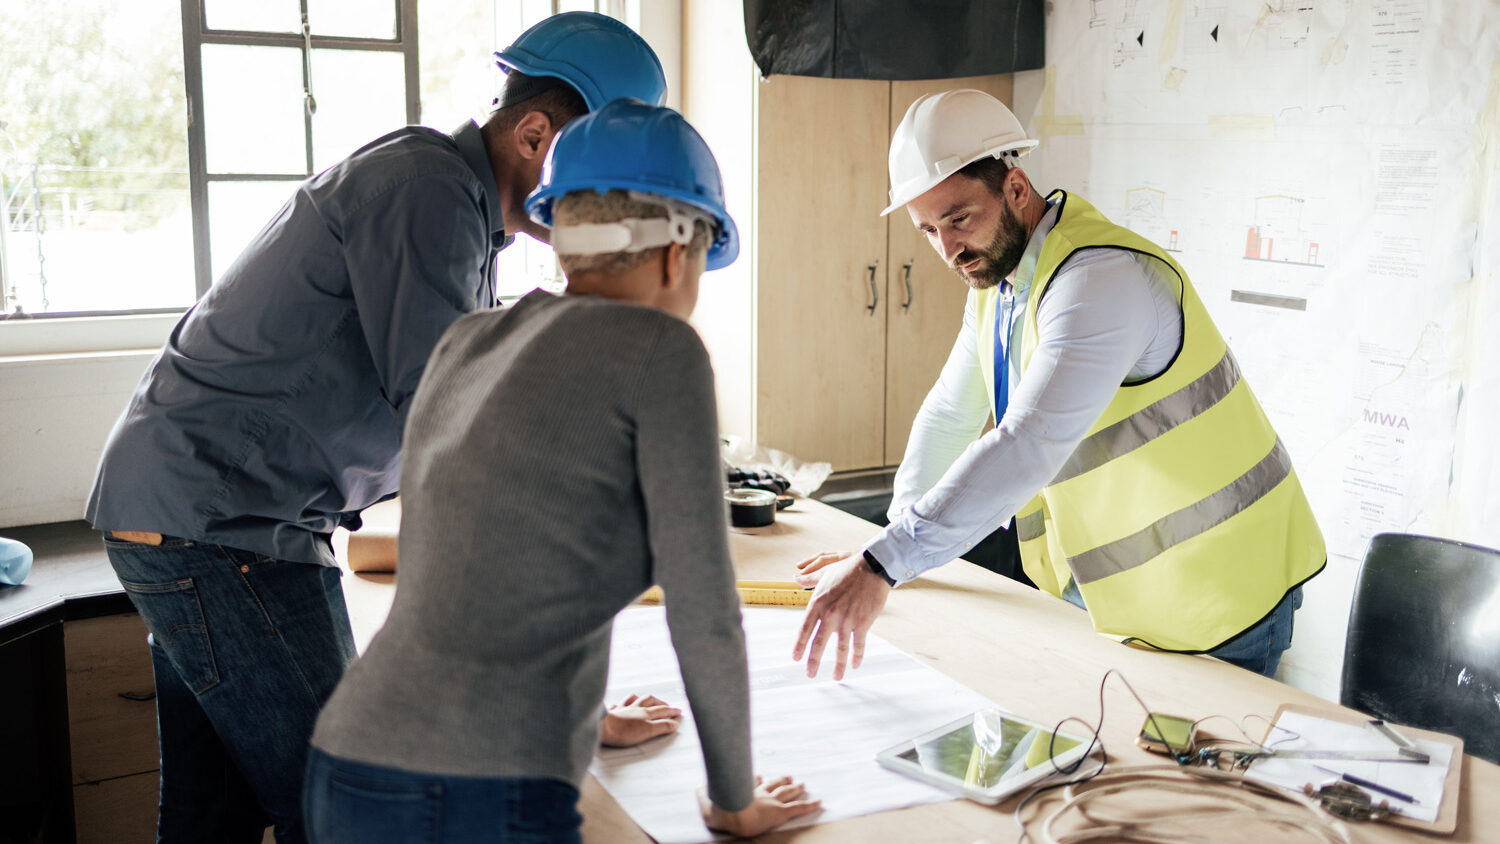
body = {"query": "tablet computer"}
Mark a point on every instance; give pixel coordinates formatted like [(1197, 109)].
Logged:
[(986, 756)]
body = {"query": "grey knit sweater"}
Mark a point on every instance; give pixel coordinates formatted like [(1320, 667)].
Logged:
[(561, 456)]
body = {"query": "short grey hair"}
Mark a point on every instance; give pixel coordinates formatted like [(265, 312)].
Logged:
[(592, 207)]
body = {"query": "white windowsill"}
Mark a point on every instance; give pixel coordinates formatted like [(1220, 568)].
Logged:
[(31, 339)]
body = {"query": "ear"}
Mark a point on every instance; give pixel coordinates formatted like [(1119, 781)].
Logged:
[(674, 265), (533, 135), (1017, 188)]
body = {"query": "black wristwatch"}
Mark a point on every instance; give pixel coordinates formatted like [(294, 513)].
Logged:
[(876, 567)]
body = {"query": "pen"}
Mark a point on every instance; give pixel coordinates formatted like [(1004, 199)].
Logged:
[(1373, 786)]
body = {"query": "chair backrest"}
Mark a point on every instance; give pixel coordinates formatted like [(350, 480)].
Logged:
[(1423, 646)]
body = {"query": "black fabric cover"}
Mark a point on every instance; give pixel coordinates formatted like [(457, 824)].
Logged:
[(894, 39)]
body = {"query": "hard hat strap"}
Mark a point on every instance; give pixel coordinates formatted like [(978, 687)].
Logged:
[(633, 234)]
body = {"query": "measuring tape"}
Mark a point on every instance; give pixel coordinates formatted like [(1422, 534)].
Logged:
[(778, 593)]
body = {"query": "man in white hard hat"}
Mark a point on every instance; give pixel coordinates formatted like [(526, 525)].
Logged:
[(1146, 483)]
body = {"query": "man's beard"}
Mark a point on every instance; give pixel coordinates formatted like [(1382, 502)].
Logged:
[(1001, 255)]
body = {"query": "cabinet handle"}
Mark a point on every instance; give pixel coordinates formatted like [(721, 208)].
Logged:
[(906, 275), (874, 291)]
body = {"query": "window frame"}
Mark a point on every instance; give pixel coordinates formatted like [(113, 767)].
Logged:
[(195, 34)]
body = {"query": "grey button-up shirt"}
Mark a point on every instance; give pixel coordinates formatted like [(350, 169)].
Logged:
[(274, 412)]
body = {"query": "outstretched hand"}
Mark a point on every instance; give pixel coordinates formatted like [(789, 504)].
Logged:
[(638, 719), (846, 602)]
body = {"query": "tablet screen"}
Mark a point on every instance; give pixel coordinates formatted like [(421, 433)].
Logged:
[(988, 749)]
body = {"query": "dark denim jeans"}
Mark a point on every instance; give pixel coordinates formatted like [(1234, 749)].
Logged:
[(353, 803), (246, 648), (1258, 649)]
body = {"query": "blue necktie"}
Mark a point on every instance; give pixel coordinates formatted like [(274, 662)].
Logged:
[(1002, 359)]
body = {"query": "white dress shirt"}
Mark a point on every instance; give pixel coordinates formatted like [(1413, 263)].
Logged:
[(1109, 316)]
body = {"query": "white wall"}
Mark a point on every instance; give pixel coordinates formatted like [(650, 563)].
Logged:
[(55, 414), (718, 99), (62, 384)]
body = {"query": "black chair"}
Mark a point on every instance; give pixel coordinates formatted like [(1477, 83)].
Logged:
[(1424, 638)]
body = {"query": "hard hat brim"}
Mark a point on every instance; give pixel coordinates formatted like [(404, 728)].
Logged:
[(905, 193)]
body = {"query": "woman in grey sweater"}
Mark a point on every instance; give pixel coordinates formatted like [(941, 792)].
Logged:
[(560, 458)]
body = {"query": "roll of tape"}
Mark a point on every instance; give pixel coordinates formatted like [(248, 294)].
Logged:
[(751, 507)]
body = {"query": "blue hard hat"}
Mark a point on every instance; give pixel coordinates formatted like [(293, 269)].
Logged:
[(631, 146), (596, 54)]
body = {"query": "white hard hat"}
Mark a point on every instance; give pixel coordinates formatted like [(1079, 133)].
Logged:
[(942, 133)]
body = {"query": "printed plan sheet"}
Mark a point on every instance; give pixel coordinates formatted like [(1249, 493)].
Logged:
[(825, 734)]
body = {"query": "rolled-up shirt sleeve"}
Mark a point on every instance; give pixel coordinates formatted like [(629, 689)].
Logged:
[(1097, 320), (415, 258)]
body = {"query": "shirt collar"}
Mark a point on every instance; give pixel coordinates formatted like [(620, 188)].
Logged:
[(471, 147), (1026, 270)]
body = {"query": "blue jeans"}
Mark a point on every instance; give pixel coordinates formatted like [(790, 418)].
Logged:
[(1258, 649), (350, 802), (246, 648)]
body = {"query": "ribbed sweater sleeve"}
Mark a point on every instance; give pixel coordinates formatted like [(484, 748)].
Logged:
[(682, 485)]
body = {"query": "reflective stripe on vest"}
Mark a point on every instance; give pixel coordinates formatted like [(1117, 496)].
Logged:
[(1176, 528), (1147, 424), (1031, 527)]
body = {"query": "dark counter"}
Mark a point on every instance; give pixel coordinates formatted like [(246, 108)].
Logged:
[(71, 579)]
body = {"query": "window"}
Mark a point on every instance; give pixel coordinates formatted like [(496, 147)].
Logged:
[(94, 205), (282, 89), (143, 143)]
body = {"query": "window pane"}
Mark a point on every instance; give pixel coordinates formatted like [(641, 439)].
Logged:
[(353, 18), (252, 110), (361, 95), (525, 266), (255, 16), (458, 73), (93, 156), (237, 212)]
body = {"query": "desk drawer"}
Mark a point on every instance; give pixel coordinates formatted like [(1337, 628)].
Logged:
[(117, 811), (110, 735)]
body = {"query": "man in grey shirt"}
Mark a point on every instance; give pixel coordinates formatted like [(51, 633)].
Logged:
[(275, 413), (562, 458)]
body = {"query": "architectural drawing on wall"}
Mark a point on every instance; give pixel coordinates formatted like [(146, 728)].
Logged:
[(1127, 26), (1129, 42), (1285, 24), (1096, 14), (1202, 26), (1277, 233), (1146, 215)]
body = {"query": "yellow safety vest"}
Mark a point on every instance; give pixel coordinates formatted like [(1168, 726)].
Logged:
[(1179, 514)]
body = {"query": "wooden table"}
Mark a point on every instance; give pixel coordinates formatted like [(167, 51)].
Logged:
[(1029, 652)]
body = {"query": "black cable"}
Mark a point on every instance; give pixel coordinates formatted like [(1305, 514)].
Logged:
[(1094, 739)]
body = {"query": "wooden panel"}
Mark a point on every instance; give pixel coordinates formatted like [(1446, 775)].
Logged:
[(117, 811), (919, 337), (820, 351), (110, 736)]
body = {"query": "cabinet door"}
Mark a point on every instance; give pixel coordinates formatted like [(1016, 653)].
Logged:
[(820, 247), (927, 298), (111, 714)]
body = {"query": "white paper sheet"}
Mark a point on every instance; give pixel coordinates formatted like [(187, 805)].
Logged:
[(821, 732), (1424, 782)]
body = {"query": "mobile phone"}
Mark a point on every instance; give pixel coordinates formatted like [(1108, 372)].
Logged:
[(1167, 734)]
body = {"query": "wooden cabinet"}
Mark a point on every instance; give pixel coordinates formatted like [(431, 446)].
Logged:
[(821, 269), (111, 729), (835, 322)]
